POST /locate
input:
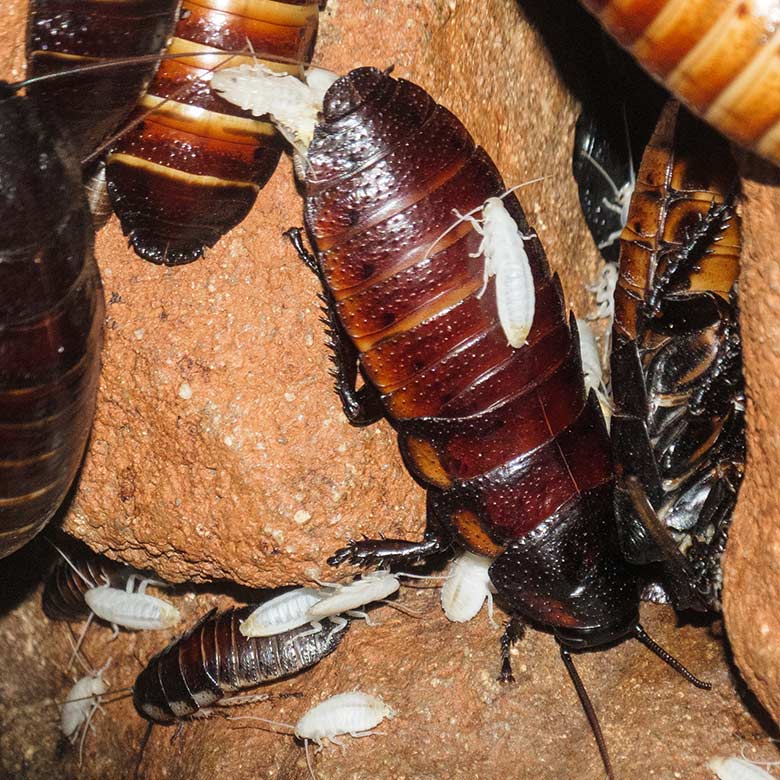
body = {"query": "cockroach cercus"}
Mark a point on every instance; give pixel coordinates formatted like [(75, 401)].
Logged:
[(514, 456), (354, 713), (213, 661)]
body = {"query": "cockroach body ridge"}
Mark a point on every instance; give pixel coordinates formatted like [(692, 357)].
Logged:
[(513, 453)]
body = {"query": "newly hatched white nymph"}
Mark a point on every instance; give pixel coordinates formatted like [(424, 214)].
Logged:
[(354, 713), (81, 703), (292, 104), (282, 613), (467, 587), (734, 768), (592, 369), (503, 247)]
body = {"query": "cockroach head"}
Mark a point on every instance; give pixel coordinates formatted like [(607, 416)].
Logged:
[(596, 636)]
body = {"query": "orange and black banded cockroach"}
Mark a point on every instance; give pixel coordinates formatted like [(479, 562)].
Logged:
[(719, 57), (513, 453), (51, 319), (191, 169), (213, 662), (678, 428)]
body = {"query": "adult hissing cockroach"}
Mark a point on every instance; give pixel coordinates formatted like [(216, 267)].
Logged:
[(514, 455), (191, 170), (51, 319), (214, 660), (719, 58), (678, 431)]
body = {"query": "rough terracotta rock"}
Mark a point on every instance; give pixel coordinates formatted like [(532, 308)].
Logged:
[(752, 572), (219, 451)]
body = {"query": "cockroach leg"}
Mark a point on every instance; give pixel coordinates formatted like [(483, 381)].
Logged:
[(295, 237), (514, 631)]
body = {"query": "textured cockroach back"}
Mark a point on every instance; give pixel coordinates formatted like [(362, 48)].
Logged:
[(719, 57), (213, 662), (192, 169), (51, 321)]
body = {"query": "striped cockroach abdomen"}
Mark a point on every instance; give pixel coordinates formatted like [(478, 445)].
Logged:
[(214, 661), (505, 439), (51, 320), (64, 35), (63, 592), (191, 170), (678, 428), (718, 56)]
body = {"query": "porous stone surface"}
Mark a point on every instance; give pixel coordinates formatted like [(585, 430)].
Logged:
[(752, 563), (220, 453)]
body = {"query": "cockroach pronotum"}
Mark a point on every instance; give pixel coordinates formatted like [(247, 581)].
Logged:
[(513, 453), (191, 170), (718, 57), (51, 319), (213, 661), (678, 430)]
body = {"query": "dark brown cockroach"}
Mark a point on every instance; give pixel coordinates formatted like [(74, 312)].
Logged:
[(63, 35), (51, 319), (68, 580), (213, 661), (719, 57), (678, 429), (191, 170), (514, 456)]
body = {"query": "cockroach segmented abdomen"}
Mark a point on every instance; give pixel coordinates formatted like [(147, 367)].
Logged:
[(214, 660), (51, 321), (721, 63), (503, 438), (678, 431), (192, 169)]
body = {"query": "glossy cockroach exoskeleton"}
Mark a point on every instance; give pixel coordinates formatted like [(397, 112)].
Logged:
[(513, 453), (678, 428), (191, 170), (51, 319), (719, 58), (63, 36), (214, 661)]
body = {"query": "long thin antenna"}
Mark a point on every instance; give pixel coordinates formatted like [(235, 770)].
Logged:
[(589, 711), (647, 641)]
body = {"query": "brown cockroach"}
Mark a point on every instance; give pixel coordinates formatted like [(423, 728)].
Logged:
[(213, 661), (69, 579), (51, 319), (719, 57), (63, 35), (514, 455), (192, 169), (678, 428)]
